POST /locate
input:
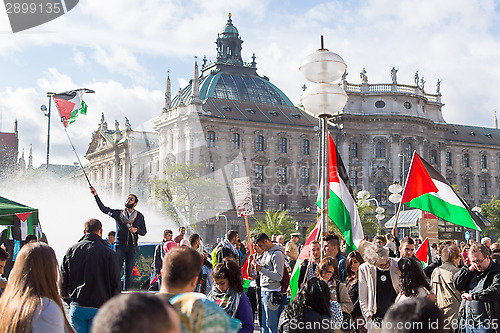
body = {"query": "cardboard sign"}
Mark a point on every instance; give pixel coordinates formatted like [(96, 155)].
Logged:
[(243, 196)]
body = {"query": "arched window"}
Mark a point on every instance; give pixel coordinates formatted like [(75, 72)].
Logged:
[(235, 141), (409, 150), (380, 150), (259, 143), (381, 193), (210, 139)]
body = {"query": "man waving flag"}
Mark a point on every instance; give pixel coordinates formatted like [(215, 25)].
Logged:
[(70, 104), (426, 189)]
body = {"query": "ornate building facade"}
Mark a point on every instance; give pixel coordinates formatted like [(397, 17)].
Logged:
[(237, 123)]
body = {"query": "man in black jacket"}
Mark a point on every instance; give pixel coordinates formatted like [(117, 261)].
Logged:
[(90, 276), (227, 248), (481, 283), (129, 224)]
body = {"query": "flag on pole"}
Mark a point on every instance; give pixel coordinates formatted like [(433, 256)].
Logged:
[(424, 253), (304, 254), (342, 208), (426, 189), (70, 104)]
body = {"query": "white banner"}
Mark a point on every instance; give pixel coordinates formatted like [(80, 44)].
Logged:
[(243, 196)]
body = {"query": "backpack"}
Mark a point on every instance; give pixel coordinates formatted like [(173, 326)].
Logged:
[(285, 281)]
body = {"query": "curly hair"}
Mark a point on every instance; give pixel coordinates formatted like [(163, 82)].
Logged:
[(315, 294), (329, 262), (230, 270), (412, 276), (354, 255), (374, 252)]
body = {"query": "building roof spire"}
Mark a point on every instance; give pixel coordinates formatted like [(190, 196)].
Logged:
[(229, 45), (168, 92), (195, 92), (495, 121)]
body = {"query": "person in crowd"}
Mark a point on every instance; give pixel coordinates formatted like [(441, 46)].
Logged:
[(206, 282), (280, 240), (309, 266), (381, 240), (194, 241), (417, 242), (495, 248), (413, 281), (331, 247), (110, 240), (438, 262), (407, 247), (378, 283), (90, 276), (434, 252), (486, 241), (353, 261), (180, 236), (136, 313), (226, 248), (184, 242), (292, 249), (308, 310), (271, 268), (481, 285), (4, 256), (328, 271), (129, 225), (254, 291), (415, 315), (390, 242), (169, 246), (448, 298), (228, 293), (465, 255), (180, 273), (31, 301), (158, 257), (273, 238)]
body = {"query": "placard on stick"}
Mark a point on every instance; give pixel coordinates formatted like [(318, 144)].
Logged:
[(243, 196)]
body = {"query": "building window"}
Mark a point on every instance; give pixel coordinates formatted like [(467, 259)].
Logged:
[(235, 171), (259, 143), (210, 166), (210, 139), (381, 193), (305, 176), (235, 141), (259, 173), (282, 202), (448, 159), (466, 186), (409, 150), (354, 149), (434, 156), (380, 150), (305, 147), (353, 178), (484, 162), (282, 175), (466, 161), (283, 145), (379, 104), (259, 202), (407, 105), (484, 187)]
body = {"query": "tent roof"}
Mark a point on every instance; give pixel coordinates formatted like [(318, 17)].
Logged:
[(9, 207)]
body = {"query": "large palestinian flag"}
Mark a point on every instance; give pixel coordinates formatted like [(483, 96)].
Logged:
[(427, 190), (342, 208), (70, 104)]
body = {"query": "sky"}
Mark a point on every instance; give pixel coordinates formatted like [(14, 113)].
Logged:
[(123, 49)]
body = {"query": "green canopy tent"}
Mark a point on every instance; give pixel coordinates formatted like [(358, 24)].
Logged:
[(20, 221)]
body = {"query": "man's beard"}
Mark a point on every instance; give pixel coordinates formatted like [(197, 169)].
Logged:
[(129, 205)]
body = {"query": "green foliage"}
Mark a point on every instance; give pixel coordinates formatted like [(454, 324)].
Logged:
[(184, 191), (491, 211), (367, 216), (275, 222)]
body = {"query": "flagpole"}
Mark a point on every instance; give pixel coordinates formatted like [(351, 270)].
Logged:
[(404, 189), (78, 158)]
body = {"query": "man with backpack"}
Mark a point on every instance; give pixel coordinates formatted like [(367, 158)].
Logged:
[(271, 267), (226, 249)]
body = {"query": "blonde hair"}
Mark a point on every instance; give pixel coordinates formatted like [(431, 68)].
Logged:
[(31, 279)]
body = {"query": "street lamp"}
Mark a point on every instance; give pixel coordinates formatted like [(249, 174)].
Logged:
[(395, 196), (364, 196), (477, 209), (322, 100), (46, 113), (218, 215)]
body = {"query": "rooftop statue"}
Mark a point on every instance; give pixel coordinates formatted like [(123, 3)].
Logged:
[(394, 75), (363, 76)]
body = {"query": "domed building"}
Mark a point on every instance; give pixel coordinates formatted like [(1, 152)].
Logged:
[(236, 123)]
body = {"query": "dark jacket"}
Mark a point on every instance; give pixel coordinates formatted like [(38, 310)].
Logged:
[(158, 257), (310, 322), (489, 294), (429, 269), (225, 252), (90, 274), (123, 236)]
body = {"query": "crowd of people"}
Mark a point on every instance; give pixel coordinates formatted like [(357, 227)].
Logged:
[(239, 287)]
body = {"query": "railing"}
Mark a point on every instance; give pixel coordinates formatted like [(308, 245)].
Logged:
[(390, 88)]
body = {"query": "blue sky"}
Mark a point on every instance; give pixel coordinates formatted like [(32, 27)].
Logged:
[(123, 49)]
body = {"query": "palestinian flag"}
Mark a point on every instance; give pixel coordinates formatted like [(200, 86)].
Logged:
[(342, 208), (304, 254), (70, 104), (427, 190), (424, 253)]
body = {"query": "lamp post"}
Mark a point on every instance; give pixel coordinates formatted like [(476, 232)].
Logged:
[(478, 210), (364, 196), (218, 215), (322, 100), (395, 198), (46, 113)]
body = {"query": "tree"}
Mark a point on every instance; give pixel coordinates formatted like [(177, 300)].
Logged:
[(367, 216), (275, 222), (185, 192), (491, 211)]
